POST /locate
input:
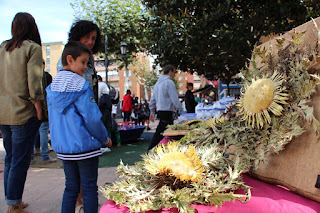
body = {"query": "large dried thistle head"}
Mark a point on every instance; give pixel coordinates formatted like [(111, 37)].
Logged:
[(261, 97), (181, 162)]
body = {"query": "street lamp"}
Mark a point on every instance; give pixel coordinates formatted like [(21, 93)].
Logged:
[(123, 50)]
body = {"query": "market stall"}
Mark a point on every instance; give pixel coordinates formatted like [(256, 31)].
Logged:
[(208, 165)]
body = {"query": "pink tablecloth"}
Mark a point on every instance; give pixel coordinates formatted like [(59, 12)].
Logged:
[(265, 198), (166, 140)]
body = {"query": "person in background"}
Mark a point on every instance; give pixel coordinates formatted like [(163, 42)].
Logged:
[(135, 114), (89, 34), (190, 100), (114, 110), (199, 98), (21, 70), (141, 115), (134, 100), (102, 87), (42, 139), (127, 106), (166, 98), (147, 114), (105, 106), (77, 132)]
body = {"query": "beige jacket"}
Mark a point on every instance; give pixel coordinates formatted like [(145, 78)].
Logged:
[(20, 83)]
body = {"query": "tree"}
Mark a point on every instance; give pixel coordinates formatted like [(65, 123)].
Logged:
[(120, 20), (211, 37), (215, 38), (146, 77)]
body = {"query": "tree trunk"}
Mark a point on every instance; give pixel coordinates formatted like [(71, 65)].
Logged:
[(146, 95)]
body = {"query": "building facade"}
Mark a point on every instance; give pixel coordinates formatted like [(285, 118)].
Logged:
[(51, 53), (117, 77)]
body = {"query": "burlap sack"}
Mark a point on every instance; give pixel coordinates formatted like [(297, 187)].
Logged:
[(298, 166)]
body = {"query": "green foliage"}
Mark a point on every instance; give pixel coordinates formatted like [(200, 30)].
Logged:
[(215, 38), (120, 20), (313, 7)]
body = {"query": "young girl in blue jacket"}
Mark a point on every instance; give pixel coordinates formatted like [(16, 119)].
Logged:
[(77, 133)]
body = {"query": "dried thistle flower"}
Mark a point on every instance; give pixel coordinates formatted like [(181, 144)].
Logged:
[(261, 97), (177, 161)]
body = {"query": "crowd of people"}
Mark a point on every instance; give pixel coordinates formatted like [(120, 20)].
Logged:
[(77, 107), (135, 110)]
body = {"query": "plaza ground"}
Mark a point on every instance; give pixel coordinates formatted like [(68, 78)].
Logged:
[(44, 186)]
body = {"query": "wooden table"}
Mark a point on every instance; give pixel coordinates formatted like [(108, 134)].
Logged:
[(170, 132)]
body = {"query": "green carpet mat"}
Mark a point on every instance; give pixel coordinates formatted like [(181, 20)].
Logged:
[(129, 152)]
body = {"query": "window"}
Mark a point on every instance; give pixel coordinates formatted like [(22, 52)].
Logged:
[(47, 50), (186, 78), (180, 85), (196, 80), (180, 92), (113, 73), (48, 61), (114, 84), (130, 84), (180, 78), (130, 73), (48, 58)]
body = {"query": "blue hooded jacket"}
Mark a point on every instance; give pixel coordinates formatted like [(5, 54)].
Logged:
[(76, 129)]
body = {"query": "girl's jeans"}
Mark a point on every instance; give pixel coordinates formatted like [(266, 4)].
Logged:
[(18, 142), (84, 173)]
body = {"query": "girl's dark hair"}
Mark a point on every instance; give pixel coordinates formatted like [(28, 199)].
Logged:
[(75, 49), (82, 28), (23, 27)]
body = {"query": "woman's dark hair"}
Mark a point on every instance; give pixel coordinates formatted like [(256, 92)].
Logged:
[(75, 49), (128, 92), (82, 28), (23, 28)]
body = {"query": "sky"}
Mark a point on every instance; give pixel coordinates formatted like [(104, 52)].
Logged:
[(53, 17)]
